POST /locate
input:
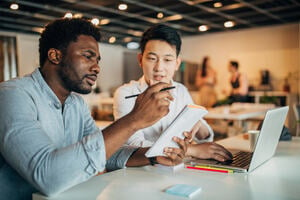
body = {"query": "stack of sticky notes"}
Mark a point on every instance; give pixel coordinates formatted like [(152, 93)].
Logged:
[(183, 190)]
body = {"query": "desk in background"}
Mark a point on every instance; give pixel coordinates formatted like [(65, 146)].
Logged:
[(239, 113), (259, 94), (277, 179)]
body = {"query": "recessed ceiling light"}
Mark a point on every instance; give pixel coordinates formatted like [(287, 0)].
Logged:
[(68, 15), (229, 24), (95, 21), (160, 15), (218, 4), (133, 45), (203, 28), (14, 6), (122, 6), (112, 39)]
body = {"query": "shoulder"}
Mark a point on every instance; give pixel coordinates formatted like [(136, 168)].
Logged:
[(180, 87), (127, 89), (17, 86)]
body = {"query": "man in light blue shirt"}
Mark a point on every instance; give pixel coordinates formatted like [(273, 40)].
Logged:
[(48, 139)]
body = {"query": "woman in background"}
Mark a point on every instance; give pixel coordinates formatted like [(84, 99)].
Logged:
[(206, 78), (238, 82)]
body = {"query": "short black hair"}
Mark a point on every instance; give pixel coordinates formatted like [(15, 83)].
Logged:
[(59, 33), (163, 33), (234, 64)]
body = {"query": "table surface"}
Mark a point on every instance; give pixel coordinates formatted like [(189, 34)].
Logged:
[(278, 178)]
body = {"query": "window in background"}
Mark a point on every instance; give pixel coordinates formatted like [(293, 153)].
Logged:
[(8, 58)]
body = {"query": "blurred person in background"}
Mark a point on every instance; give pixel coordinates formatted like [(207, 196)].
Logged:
[(206, 79)]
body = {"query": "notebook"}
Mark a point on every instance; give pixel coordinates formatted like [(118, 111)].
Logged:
[(184, 121), (265, 148)]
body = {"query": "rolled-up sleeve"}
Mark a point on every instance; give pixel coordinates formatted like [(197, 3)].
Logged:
[(119, 159)]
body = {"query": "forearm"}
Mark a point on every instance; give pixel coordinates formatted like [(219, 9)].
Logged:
[(119, 132), (138, 158)]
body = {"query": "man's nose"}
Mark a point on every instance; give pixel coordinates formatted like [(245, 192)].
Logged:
[(158, 66), (96, 68)]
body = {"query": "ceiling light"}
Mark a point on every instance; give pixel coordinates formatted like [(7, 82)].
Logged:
[(14, 6), (122, 6), (95, 21), (218, 4), (160, 15), (112, 39), (133, 45), (229, 24), (104, 21), (203, 28), (68, 15)]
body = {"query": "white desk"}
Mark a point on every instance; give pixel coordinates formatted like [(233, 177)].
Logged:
[(279, 178)]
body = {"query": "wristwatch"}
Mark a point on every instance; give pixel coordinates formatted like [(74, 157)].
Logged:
[(152, 160)]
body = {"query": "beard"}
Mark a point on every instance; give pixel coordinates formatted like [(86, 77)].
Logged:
[(71, 81)]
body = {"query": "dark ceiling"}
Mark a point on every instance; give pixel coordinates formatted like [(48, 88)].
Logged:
[(184, 15)]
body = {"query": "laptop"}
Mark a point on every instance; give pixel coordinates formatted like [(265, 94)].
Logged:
[(264, 149)]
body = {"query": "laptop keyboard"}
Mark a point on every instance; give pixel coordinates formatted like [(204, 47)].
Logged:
[(240, 159)]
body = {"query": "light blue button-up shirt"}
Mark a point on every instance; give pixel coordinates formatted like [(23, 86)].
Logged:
[(44, 147)]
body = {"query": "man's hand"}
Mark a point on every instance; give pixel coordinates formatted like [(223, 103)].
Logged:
[(199, 131), (209, 150), (151, 105), (175, 156)]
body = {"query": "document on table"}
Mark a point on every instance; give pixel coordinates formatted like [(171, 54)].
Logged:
[(184, 121)]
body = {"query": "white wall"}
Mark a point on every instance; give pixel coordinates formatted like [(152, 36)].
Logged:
[(275, 48), (28, 53), (111, 65)]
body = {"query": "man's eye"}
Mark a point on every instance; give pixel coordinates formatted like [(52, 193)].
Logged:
[(150, 58), (88, 56)]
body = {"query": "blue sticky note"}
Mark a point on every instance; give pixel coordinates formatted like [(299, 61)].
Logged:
[(183, 190)]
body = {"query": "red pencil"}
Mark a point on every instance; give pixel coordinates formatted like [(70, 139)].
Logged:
[(209, 169)]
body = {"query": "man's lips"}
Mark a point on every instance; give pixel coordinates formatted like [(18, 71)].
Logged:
[(158, 77), (91, 79)]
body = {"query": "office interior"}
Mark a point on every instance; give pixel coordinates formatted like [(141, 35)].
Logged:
[(270, 47)]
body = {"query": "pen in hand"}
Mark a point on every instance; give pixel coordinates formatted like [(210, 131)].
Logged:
[(164, 89)]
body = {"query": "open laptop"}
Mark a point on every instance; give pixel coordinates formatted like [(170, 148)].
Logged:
[(265, 146)]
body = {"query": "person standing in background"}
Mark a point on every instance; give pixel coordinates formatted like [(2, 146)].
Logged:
[(239, 84), (206, 78)]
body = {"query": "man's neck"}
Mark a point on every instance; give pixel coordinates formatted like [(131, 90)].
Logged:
[(55, 83)]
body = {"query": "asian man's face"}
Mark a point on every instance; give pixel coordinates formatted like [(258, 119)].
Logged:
[(159, 61), (79, 67)]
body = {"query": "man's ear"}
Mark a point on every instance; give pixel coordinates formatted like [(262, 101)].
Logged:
[(140, 57), (54, 56), (178, 62)]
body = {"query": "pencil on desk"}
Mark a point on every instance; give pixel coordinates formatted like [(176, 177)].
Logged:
[(164, 89), (206, 168)]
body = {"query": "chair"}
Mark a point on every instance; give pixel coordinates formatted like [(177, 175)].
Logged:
[(296, 108)]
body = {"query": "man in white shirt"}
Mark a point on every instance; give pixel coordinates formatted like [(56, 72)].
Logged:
[(159, 59)]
